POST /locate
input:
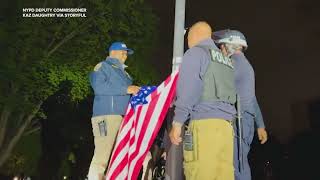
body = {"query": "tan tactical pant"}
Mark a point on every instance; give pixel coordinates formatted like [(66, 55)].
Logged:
[(212, 154), (103, 144)]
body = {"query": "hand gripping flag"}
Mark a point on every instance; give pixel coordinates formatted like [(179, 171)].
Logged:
[(139, 128)]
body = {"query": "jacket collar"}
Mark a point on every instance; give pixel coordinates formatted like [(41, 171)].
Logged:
[(208, 42), (116, 62)]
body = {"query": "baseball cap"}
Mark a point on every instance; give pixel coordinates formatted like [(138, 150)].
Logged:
[(120, 46)]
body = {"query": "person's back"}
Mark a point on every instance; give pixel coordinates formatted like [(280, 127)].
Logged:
[(232, 43), (208, 100), (244, 81), (206, 92)]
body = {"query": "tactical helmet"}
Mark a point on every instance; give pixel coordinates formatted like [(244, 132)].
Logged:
[(231, 37)]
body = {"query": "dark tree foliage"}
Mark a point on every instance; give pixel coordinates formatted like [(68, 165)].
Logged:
[(38, 55)]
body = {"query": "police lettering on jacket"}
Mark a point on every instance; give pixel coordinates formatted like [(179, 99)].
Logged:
[(217, 56)]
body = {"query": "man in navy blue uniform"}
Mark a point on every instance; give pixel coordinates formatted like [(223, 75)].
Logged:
[(232, 44)]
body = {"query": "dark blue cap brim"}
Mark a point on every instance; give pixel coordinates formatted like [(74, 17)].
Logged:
[(130, 51)]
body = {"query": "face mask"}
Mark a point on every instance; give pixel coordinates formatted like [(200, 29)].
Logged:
[(230, 49)]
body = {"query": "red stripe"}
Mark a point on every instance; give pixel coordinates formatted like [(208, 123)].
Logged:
[(120, 167), (126, 118), (167, 81)]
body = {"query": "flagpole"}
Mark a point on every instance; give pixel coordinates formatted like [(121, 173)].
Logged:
[(178, 42), (174, 162)]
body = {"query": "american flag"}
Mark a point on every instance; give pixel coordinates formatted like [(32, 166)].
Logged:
[(139, 128)]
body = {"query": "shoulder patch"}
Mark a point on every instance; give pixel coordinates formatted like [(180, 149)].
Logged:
[(97, 67), (114, 66)]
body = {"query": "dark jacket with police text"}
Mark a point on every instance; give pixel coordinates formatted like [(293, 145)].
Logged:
[(190, 88)]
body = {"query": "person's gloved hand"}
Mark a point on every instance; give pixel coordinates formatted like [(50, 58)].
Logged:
[(175, 133), (262, 134)]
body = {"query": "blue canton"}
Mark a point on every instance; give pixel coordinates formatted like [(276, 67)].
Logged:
[(140, 98)]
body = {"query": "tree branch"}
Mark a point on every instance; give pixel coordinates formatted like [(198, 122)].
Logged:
[(6, 111), (68, 37), (3, 123), (32, 130), (20, 119), (35, 122), (5, 152), (59, 29)]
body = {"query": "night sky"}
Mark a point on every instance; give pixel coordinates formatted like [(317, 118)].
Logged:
[(284, 40)]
